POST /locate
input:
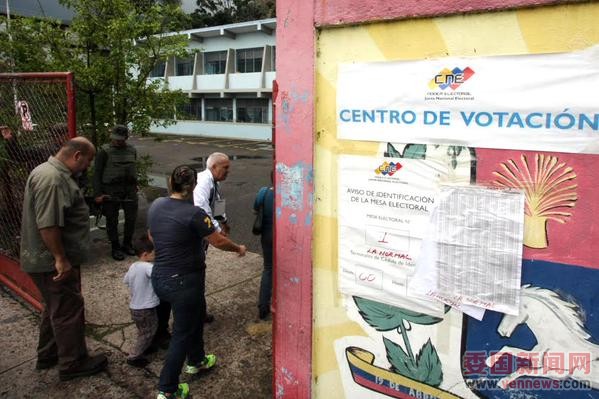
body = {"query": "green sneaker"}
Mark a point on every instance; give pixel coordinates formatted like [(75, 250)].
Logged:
[(182, 393), (206, 364)]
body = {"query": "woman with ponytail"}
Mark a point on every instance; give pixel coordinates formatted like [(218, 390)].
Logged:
[(177, 228)]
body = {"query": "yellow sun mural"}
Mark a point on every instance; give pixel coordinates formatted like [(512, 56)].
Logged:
[(550, 192)]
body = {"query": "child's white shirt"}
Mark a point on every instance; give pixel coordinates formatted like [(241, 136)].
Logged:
[(140, 286)]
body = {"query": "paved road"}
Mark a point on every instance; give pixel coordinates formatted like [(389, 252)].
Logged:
[(252, 162), (242, 343)]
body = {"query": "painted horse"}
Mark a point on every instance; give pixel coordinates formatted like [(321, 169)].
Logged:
[(559, 329)]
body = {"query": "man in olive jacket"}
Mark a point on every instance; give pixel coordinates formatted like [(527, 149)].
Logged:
[(54, 243), (115, 187)]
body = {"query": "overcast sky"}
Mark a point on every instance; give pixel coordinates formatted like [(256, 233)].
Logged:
[(48, 8), (51, 8)]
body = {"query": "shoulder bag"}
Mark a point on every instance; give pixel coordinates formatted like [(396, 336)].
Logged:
[(257, 226)]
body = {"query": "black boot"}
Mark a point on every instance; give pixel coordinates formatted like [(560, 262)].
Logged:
[(127, 248), (117, 254)]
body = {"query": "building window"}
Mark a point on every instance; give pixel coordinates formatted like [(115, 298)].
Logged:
[(215, 62), (158, 71), (249, 60), (219, 109), (190, 111), (184, 66), (252, 110), (273, 58)]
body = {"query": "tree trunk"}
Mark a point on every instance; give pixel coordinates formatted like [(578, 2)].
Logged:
[(92, 110)]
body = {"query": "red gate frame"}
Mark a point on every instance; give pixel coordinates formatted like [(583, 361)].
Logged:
[(11, 274)]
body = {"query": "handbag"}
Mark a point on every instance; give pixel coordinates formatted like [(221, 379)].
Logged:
[(257, 226)]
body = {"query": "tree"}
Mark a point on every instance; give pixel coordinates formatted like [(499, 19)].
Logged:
[(221, 12), (20, 40), (111, 46)]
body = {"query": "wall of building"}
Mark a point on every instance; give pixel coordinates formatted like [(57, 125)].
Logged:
[(307, 225), (246, 131), (246, 40), (257, 85)]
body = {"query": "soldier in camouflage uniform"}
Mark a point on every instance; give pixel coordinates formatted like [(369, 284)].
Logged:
[(115, 187)]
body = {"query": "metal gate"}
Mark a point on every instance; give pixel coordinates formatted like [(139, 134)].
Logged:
[(37, 115)]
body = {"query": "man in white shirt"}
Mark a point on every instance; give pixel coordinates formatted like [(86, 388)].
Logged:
[(207, 196)]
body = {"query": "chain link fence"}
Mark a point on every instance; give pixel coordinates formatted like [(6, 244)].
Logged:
[(37, 115)]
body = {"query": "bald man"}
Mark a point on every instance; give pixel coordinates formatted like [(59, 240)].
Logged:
[(54, 243), (207, 196)]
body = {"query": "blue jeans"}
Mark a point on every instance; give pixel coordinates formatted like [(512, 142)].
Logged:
[(186, 296), (266, 281)]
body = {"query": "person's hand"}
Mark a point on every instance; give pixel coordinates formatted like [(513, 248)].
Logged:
[(6, 134), (101, 198), (63, 269), (242, 250)]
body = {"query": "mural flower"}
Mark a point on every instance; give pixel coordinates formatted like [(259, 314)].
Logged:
[(549, 189)]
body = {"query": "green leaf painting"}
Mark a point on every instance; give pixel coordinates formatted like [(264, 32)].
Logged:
[(392, 152), (418, 151), (453, 152), (426, 368), (415, 151), (401, 362), (385, 317), (429, 365)]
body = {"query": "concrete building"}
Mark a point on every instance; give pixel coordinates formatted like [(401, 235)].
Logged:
[(229, 81)]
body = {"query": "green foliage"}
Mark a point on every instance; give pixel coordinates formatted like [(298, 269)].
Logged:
[(143, 165), (111, 46), (385, 317), (221, 12), (20, 48)]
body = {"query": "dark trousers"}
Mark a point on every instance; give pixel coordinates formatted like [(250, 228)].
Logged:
[(62, 327), (110, 209), (186, 296), (266, 281), (205, 245), (163, 310), (146, 321)]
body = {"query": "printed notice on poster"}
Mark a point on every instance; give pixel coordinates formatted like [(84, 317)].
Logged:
[(384, 207)]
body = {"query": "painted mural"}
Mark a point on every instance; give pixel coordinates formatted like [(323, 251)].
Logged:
[(366, 350), (550, 349), (404, 362), (550, 189)]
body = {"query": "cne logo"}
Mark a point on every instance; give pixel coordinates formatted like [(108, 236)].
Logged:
[(388, 168), (450, 78)]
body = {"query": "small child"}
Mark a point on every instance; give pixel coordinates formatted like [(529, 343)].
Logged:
[(143, 300)]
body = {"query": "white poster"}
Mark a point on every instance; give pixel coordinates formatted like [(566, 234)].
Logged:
[(383, 210), (25, 113), (473, 250), (544, 102)]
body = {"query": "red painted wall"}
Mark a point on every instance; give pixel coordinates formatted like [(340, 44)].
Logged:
[(294, 137), (293, 201), (342, 12)]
